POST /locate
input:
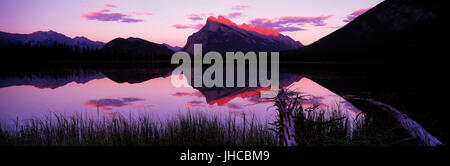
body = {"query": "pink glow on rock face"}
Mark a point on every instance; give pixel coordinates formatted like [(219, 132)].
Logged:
[(258, 29)]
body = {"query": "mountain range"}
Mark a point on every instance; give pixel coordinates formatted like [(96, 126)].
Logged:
[(48, 38), (394, 30)]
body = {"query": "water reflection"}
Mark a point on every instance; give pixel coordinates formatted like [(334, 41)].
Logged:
[(148, 92)]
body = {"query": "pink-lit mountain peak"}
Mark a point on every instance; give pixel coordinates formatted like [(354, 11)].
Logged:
[(258, 29)]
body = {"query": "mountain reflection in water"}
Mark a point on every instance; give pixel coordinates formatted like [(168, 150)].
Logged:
[(112, 93)]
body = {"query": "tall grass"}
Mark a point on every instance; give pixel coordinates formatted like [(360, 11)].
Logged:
[(313, 127), (192, 129)]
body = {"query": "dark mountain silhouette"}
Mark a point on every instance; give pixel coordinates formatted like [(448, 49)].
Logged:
[(394, 30), (135, 48), (50, 80), (47, 38), (222, 35), (173, 48)]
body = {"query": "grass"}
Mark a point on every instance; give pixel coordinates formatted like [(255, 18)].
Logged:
[(192, 129)]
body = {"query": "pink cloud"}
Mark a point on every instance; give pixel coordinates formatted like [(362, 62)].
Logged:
[(234, 15), (109, 5), (195, 17), (240, 7), (108, 104), (106, 15), (182, 94), (197, 104), (289, 23), (190, 26), (355, 14)]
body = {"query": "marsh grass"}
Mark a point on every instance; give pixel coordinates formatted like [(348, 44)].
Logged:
[(313, 127), (192, 129)]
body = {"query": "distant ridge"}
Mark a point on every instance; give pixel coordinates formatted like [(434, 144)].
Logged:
[(173, 48), (48, 38)]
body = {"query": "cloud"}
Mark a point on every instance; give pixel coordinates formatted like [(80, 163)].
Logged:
[(233, 15), (195, 17), (355, 14), (290, 29), (106, 15), (107, 104), (189, 26), (130, 20), (109, 5), (182, 94), (197, 104), (289, 23), (240, 7)]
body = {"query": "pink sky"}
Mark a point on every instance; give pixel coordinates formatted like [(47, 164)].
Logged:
[(172, 21)]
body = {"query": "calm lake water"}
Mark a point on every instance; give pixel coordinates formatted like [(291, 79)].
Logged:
[(108, 94)]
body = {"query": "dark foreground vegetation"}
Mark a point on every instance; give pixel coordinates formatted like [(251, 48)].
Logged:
[(183, 130)]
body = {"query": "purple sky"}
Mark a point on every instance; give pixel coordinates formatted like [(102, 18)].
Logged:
[(172, 21)]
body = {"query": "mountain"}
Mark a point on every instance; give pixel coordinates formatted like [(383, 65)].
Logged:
[(48, 38), (136, 48), (173, 48), (222, 35), (47, 80), (394, 31)]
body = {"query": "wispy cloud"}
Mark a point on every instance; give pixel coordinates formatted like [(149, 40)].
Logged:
[(194, 17), (108, 104), (107, 15), (183, 94), (355, 14), (289, 23), (233, 15), (109, 5), (197, 104), (197, 17), (240, 7), (189, 26)]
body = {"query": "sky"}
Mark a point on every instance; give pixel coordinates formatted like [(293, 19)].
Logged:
[(172, 21)]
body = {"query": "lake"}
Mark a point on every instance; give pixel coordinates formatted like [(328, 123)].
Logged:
[(130, 93)]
